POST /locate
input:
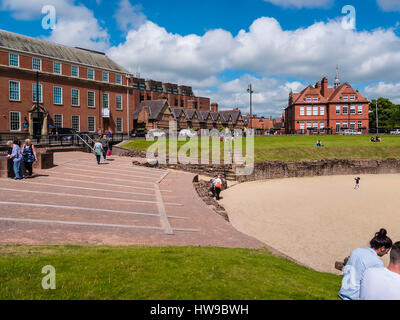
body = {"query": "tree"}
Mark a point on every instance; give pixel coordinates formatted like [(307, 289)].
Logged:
[(388, 114)]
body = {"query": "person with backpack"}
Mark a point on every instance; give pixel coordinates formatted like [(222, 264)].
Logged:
[(29, 156), (217, 186), (98, 150)]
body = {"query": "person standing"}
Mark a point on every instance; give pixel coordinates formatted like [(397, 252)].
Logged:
[(357, 186), (383, 283), (29, 156), (16, 156), (217, 186), (98, 150), (105, 142), (360, 260)]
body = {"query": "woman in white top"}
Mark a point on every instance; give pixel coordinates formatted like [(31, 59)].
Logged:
[(98, 150)]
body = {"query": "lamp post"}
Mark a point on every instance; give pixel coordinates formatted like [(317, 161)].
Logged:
[(377, 119), (250, 91)]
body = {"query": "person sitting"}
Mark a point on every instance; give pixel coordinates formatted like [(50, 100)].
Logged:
[(383, 283), (319, 143), (378, 139), (372, 139)]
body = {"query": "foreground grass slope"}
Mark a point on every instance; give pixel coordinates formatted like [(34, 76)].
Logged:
[(159, 273), (301, 148)]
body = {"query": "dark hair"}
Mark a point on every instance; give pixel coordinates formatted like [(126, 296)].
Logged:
[(381, 240), (395, 254)]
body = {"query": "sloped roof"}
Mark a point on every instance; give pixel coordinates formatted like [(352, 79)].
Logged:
[(155, 108), (21, 43)]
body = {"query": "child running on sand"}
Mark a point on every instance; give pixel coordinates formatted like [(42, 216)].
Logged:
[(357, 186)]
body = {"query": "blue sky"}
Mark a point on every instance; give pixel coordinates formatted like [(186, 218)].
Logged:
[(219, 47)]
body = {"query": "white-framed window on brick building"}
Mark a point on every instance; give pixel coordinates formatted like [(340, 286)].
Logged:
[(322, 125), (338, 109), (119, 127), (105, 76), (345, 125), (75, 101), (315, 110), (353, 109), (57, 68), (302, 127), (58, 121), (57, 95), (35, 91), (322, 110), (15, 121), (118, 102), (106, 100), (90, 74), (338, 126), (74, 71), (14, 90), (309, 111), (360, 109), (308, 99), (309, 125), (360, 125), (315, 126), (36, 64), (13, 60), (118, 79), (345, 109), (91, 124), (302, 111), (76, 123), (353, 125), (91, 99)]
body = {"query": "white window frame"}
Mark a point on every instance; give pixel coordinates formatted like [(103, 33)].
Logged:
[(309, 125), (343, 109), (62, 96), (315, 110), (9, 59), (338, 110), (360, 109), (302, 126), (353, 108), (79, 98), (94, 74), (122, 125), (54, 64), (116, 103), (345, 124), (322, 125), (302, 111), (308, 99), (116, 79), (40, 93), (322, 110), (9, 90), (40, 64), (94, 99), (353, 125), (108, 101), (77, 76), (19, 122), (309, 110), (62, 120), (94, 124), (108, 76), (72, 122)]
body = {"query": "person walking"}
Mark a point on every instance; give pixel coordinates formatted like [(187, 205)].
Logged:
[(357, 186), (217, 186), (383, 283), (98, 150), (28, 156), (105, 142), (360, 260), (16, 156)]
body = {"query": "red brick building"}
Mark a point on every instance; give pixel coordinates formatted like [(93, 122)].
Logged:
[(77, 88), (261, 125), (319, 109)]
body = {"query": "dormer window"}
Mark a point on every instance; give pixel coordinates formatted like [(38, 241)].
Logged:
[(352, 98), (315, 99), (308, 99), (345, 98)]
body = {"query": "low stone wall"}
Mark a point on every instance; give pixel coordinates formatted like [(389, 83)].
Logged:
[(44, 161), (278, 169), (122, 152)]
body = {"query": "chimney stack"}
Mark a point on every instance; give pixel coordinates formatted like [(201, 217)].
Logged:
[(214, 107), (324, 84)]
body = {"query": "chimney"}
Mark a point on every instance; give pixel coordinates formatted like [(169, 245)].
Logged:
[(214, 107), (318, 85), (324, 89)]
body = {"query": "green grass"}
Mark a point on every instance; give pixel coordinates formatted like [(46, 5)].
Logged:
[(301, 148), (142, 273)]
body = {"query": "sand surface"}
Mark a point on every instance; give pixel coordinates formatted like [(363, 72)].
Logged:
[(318, 220)]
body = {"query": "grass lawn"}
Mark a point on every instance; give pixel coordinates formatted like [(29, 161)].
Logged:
[(141, 273), (302, 148)]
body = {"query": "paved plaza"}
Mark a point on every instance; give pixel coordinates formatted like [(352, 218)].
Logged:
[(115, 203)]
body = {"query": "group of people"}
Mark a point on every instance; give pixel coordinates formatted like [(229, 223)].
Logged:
[(377, 139), (102, 148), (23, 158), (365, 276)]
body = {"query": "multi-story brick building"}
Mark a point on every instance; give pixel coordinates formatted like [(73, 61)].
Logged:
[(319, 109), (77, 88)]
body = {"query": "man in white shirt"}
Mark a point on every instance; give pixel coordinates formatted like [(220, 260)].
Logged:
[(383, 283)]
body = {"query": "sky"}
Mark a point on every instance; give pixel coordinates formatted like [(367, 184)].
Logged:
[(221, 46)]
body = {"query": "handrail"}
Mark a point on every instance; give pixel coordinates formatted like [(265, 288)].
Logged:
[(84, 141)]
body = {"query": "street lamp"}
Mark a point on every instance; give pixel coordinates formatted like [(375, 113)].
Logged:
[(250, 91), (377, 119)]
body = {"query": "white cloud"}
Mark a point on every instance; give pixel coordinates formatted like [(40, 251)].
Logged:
[(302, 3), (388, 90), (129, 16), (389, 5), (76, 24)]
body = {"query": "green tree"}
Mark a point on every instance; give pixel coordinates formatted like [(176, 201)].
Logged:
[(388, 114)]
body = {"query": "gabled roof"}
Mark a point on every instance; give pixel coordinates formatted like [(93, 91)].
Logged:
[(155, 108), (234, 114), (21, 43), (215, 116)]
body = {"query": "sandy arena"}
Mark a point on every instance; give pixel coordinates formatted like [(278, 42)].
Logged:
[(318, 220)]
